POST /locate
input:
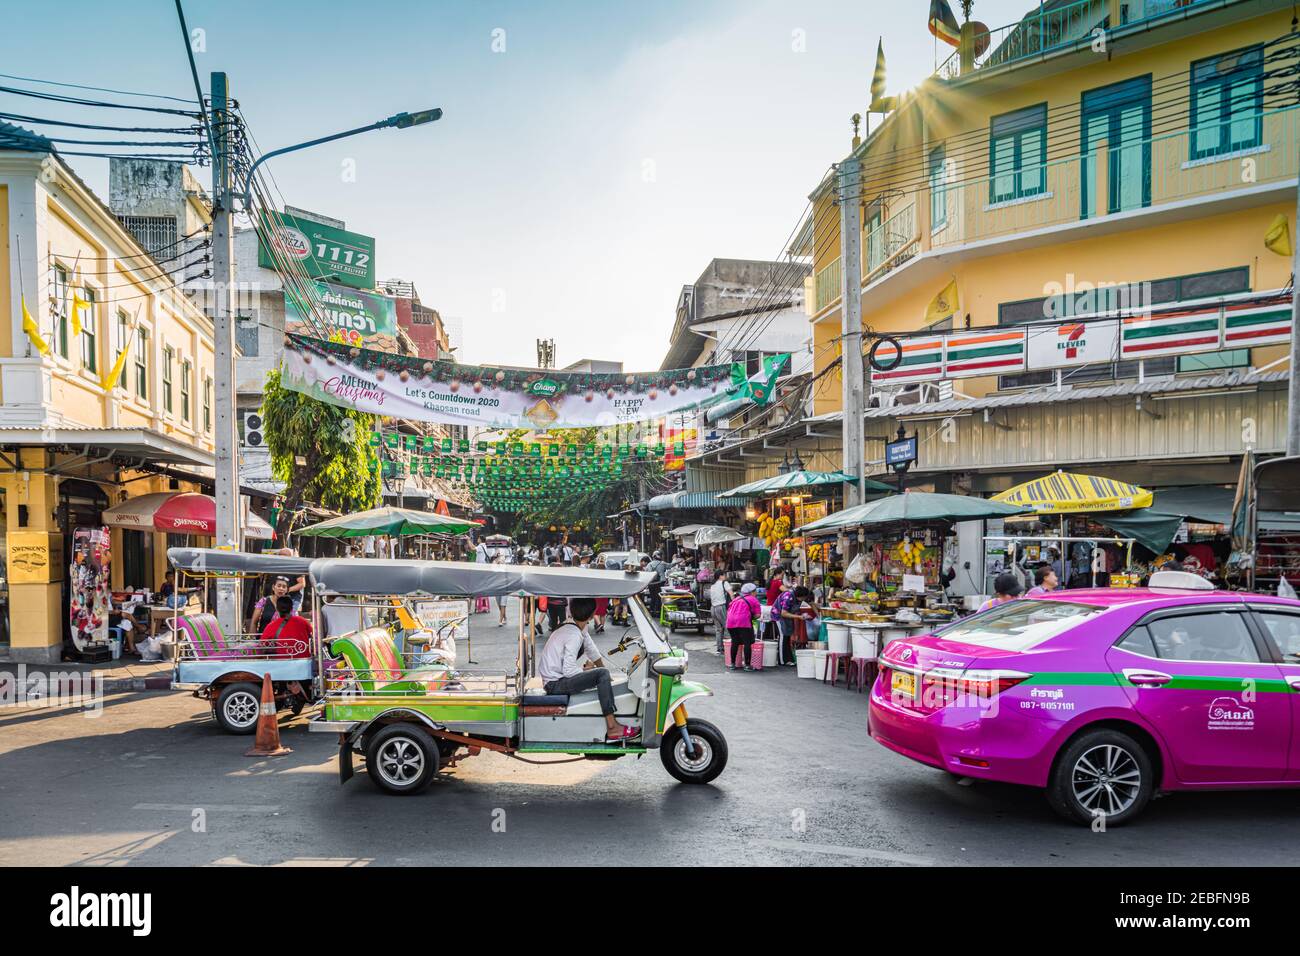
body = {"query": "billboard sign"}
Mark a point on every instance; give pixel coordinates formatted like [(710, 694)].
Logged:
[(321, 250), (361, 319)]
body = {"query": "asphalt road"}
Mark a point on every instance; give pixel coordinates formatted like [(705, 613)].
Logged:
[(151, 780)]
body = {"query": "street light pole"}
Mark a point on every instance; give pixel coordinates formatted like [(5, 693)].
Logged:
[(1293, 384), (223, 329)]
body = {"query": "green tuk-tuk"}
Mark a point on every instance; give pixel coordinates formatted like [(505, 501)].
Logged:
[(408, 713)]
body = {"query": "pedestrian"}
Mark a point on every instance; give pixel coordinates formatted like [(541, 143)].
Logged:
[(502, 558), (741, 615), (1045, 581), (1006, 587), (719, 598), (789, 610), (775, 584)]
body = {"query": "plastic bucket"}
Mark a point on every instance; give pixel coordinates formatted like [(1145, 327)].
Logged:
[(115, 647), (804, 662), (819, 664), (837, 637), (864, 642), (771, 652)]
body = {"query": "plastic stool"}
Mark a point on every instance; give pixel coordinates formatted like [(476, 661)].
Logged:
[(833, 661), (860, 673)]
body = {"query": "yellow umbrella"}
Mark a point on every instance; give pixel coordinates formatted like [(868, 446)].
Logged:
[(1064, 493)]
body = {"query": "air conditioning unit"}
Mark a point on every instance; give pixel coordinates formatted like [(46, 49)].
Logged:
[(254, 430)]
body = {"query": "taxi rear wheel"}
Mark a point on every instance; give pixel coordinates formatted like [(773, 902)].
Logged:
[(401, 759), (1101, 778)]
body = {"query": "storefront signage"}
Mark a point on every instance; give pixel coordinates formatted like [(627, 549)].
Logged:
[(320, 250), (362, 319), (35, 557), (1244, 320)]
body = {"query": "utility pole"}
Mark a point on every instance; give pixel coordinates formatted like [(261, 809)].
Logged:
[(1293, 385), (223, 329), (854, 380)]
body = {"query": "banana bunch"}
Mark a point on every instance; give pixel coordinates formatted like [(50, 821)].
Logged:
[(909, 553), (765, 525), (781, 528)]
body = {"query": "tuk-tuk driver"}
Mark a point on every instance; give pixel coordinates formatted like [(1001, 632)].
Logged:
[(561, 673)]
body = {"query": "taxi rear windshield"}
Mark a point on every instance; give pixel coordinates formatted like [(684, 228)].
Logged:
[(1019, 625)]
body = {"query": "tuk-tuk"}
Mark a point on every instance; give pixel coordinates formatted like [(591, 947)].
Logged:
[(408, 717), (226, 669)]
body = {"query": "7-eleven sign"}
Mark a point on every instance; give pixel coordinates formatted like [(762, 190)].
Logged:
[(1073, 343)]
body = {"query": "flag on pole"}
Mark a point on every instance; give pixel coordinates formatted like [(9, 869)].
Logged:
[(78, 303), (943, 24), (944, 304), (113, 374), (1278, 237), (33, 330)]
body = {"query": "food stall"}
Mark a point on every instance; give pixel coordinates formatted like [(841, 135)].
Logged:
[(896, 583)]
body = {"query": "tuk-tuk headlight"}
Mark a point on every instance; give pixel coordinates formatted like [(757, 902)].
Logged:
[(670, 666)]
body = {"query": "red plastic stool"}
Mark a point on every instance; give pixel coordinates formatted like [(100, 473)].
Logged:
[(833, 667), (861, 673)]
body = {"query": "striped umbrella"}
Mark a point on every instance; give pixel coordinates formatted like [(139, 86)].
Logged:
[(1065, 493)]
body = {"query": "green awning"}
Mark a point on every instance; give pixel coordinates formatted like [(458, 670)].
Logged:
[(794, 480), (913, 507), (399, 521)]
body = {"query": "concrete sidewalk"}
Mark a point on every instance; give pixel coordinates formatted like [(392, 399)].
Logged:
[(127, 674)]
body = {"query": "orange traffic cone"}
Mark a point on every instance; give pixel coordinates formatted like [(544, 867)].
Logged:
[(267, 741)]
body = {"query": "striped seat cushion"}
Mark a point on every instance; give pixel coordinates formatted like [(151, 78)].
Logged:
[(205, 636)]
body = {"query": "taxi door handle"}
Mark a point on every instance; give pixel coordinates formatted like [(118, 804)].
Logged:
[(1294, 682), (1143, 678)]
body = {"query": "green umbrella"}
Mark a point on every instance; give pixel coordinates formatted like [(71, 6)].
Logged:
[(798, 479), (387, 521), (916, 506)]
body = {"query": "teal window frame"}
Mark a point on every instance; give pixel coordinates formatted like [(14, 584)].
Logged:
[(187, 372), (169, 357), (1014, 139), (938, 188), (1225, 87), (59, 308), (142, 363)]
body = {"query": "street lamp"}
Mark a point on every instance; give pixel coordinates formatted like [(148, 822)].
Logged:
[(396, 121)]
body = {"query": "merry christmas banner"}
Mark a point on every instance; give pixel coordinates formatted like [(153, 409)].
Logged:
[(414, 388)]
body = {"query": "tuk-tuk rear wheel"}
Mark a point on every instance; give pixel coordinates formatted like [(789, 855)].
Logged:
[(401, 759), (710, 752)]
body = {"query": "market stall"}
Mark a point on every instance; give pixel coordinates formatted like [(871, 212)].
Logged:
[(896, 583)]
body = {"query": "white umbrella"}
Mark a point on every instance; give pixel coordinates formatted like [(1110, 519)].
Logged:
[(716, 534)]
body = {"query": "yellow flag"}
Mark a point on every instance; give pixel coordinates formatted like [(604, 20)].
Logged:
[(944, 304), (33, 330), (78, 303), (111, 377), (1278, 237)]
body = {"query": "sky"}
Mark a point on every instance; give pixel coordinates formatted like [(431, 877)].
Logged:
[(593, 157)]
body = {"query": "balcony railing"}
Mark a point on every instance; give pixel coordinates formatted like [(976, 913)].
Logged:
[(828, 282), (1144, 173), (891, 243), (1047, 30)]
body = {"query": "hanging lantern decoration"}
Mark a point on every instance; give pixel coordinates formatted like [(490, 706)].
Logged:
[(653, 394), (329, 360), (589, 396), (630, 381), (690, 375), (379, 374), (609, 393), (428, 367), (404, 375), (672, 389), (500, 377), (354, 352), (454, 385), (478, 386)]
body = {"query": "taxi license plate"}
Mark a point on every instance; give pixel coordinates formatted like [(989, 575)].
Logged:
[(901, 682)]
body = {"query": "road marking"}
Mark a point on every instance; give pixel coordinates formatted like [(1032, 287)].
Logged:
[(845, 851), (219, 807)]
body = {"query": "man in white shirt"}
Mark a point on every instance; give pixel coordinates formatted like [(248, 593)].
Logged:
[(561, 673), (719, 599)]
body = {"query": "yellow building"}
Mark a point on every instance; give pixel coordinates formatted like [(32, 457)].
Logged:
[(1090, 160), (74, 438)]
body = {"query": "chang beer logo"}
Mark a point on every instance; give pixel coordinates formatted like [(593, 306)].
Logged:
[(544, 388), (293, 242)]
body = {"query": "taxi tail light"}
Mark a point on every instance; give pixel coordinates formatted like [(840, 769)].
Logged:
[(991, 683)]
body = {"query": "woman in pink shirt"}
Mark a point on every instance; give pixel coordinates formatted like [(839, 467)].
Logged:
[(741, 615)]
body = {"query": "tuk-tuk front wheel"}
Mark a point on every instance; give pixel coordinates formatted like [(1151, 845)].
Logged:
[(709, 755), (401, 759)]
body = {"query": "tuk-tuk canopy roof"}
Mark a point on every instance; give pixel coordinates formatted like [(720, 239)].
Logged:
[(369, 576), (214, 560)]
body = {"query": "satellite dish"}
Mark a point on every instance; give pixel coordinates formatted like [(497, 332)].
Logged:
[(980, 33)]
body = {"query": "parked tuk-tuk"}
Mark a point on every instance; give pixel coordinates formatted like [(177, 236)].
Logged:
[(227, 669), (408, 716)]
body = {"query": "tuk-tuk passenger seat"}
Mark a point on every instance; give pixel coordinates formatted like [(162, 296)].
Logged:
[(377, 666), (204, 635)]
